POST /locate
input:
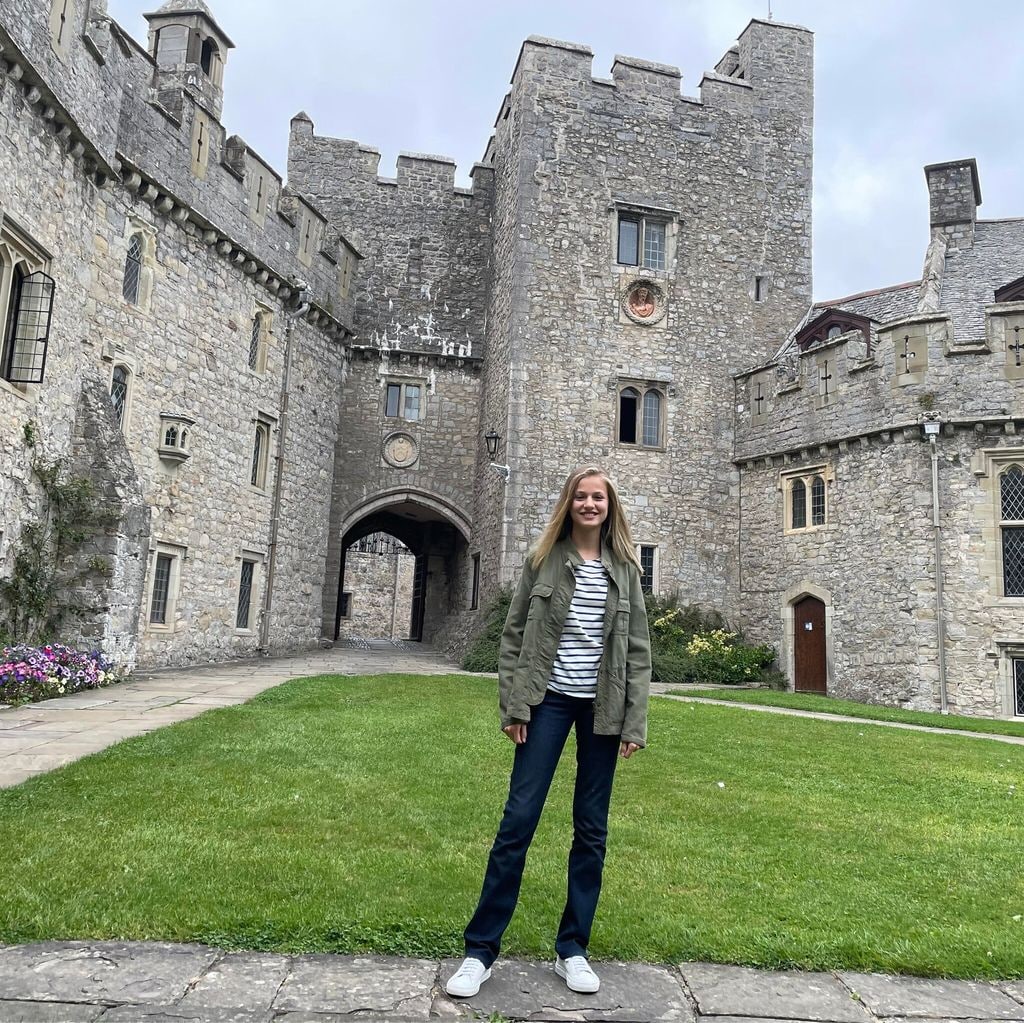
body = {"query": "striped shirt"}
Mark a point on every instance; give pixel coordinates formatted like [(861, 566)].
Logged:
[(574, 672)]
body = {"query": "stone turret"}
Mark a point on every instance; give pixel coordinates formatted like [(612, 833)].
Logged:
[(190, 51)]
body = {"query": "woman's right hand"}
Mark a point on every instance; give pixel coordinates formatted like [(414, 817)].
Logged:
[(517, 733)]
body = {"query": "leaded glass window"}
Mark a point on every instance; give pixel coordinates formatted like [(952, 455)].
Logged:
[(244, 594), (646, 568), (171, 437), (119, 392), (161, 589), (132, 269), (254, 341), (652, 419), (798, 504), (817, 501), (27, 331), (1011, 496), (1018, 686), (654, 246)]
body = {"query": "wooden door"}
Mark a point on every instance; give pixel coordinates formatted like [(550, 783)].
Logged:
[(809, 646)]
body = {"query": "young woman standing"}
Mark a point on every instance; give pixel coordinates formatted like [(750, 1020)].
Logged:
[(575, 652)]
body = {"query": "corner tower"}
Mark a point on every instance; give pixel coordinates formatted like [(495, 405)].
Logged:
[(190, 51)]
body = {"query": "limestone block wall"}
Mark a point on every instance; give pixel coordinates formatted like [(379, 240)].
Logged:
[(209, 267), (438, 451), (580, 150), (381, 601), (873, 564)]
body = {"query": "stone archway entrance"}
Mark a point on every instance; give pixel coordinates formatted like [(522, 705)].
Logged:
[(434, 534), (810, 668)]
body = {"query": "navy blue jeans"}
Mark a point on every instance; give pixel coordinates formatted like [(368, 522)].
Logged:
[(532, 771)]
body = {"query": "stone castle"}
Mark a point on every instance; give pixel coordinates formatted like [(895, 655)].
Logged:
[(264, 376)]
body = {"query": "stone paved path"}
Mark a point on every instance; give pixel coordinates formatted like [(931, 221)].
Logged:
[(108, 982)]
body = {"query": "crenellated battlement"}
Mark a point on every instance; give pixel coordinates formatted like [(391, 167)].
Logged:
[(850, 385)]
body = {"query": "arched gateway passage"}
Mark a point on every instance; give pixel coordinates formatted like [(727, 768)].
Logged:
[(436, 533)]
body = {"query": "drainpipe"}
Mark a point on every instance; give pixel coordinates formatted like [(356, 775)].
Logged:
[(290, 317), (931, 430)]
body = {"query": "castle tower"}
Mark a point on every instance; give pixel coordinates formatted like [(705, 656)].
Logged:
[(190, 50)]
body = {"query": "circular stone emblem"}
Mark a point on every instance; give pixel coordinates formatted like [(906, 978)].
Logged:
[(400, 450), (643, 302)]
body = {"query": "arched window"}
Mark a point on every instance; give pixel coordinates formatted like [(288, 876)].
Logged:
[(171, 437), (652, 419), (1011, 527), (817, 501), (207, 55), (798, 505), (119, 380), (254, 342), (260, 447), (640, 415), (132, 269), (629, 401)]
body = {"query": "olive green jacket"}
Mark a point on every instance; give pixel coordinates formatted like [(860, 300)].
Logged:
[(534, 626)]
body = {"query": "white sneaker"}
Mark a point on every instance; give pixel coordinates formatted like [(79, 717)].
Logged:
[(466, 980), (577, 974)]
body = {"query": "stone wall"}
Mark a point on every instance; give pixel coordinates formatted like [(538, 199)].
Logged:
[(209, 267), (576, 150), (381, 595)]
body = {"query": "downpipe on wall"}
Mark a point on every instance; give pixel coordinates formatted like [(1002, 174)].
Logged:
[(300, 288), (931, 429)]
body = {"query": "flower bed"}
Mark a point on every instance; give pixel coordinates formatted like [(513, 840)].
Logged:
[(30, 673)]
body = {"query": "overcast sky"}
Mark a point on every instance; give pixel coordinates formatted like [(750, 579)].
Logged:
[(898, 83)]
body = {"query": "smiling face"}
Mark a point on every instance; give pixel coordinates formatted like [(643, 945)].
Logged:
[(589, 503)]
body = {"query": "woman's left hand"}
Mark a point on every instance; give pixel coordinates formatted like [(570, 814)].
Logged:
[(627, 749)]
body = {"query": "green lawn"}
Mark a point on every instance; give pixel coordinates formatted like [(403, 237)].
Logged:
[(355, 814), (851, 708)]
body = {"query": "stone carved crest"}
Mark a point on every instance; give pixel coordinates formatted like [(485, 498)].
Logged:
[(643, 301), (400, 450)]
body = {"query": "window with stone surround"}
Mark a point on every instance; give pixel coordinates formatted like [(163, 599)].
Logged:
[(26, 307), (259, 339), (1017, 685), (346, 605), (132, 269), (403, 400), (648, 554), (642, 241), (474, 586), (1011, 529), (164, 584), (172, 46), (641, 414), (120, 393), (260, 453), (246, 588), (805, 500)]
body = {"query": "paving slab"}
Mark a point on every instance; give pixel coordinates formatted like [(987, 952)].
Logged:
[(888, 995), (239, 980), (633, 992), (787, 994), (1014, 988), (48, 1012), (149, 1013), (364, 984), (78, 971)]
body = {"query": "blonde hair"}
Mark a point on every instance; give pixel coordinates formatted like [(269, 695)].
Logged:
[(614, 530)]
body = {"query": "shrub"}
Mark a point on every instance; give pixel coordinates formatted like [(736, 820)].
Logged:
[(720, 658), (482, 654), (38, 673), (674, 667)]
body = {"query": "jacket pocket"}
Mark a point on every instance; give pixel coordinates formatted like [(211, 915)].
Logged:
[(540, 600), (622, 615)]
